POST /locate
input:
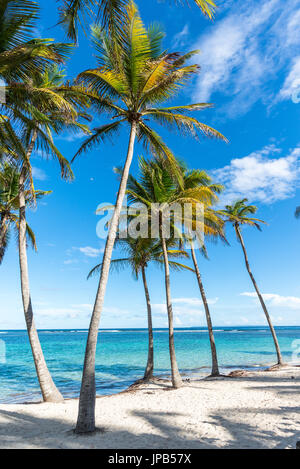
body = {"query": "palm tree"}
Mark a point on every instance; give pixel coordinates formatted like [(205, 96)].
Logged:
[(41, 105), (212, 227), (20, 53), (238, 214), (133, 76), (139, 253), (159, 191), (9, 205), (21, 57), (109, 12)]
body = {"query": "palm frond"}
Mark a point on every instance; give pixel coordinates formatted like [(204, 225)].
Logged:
[(116, 265), (99, 135), (31, 237), (154, 144), (184, 124)]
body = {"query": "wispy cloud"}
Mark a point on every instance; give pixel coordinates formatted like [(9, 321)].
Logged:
[(71, 137), (117, 312), (70, 261), (181, 37), (194, 301), (279, 301), (187, 311), (90, 252), (87, 251), (260, 177), (72, 312), (292, 81), (39, 174), (242, 54)]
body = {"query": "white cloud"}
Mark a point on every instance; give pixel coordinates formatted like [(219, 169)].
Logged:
[(259, 177), (244, 320), (72, 312), (72, 137), (186, 306), (187, 311), (292, 81), (180, 38), (242, 54), (194, 301), (212, 301), (178, 321), (188, 301), (114, 311), (39, 174), (159, 309), (80, 311), (291, 302), (89, 251)]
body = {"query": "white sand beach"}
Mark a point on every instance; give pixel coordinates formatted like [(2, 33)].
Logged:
[(258, 410)]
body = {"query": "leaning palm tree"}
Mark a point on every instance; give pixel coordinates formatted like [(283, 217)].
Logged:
[(41, 106), (139, 253), (110, 13), (9, 205), (133, 76), (212, 227), (238, 214), (164, 198)]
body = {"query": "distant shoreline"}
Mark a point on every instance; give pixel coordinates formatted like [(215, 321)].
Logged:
[(155, 328)]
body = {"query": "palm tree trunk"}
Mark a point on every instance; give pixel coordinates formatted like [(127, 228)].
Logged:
[(49, 390), (279, 357), (150, 362), (87, 401), (3, 233), (176, 378), (215, 366)]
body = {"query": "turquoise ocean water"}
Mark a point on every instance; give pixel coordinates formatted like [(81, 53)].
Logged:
[(122, 355)]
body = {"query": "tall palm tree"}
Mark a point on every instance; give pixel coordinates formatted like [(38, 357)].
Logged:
[(238, 215), (212, 227), (133, 76), (9, 205), (110, 13), (139, 253), (159, 191), (41, 106)]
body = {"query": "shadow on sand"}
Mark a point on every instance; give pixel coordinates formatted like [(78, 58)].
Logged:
[(23, 428)]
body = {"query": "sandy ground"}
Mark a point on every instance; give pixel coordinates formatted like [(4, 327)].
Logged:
[(259, 410)]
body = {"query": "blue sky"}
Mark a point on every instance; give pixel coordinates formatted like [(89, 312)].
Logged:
[(250, 69)]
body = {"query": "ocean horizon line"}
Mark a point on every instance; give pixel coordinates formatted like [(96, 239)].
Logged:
[(154, 328)]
